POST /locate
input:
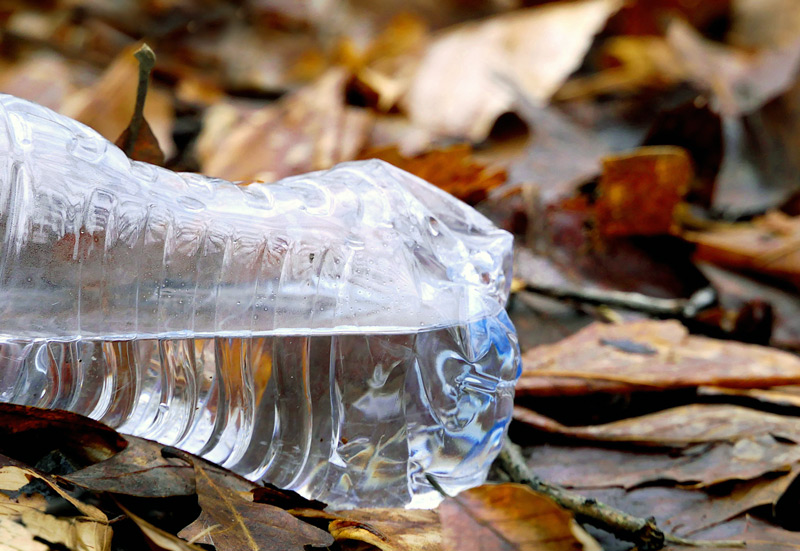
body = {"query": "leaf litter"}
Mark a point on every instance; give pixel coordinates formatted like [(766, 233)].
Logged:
[(646, 163)]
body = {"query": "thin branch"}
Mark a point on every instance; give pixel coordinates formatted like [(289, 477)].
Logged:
[(645, 533), (682, 308)]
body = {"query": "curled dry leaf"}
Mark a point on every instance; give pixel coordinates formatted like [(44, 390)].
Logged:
[(452, 169), (468, 75), (108, 104), (677, 360), (677, 427), (509, 517), (230, 521), (310, 129)]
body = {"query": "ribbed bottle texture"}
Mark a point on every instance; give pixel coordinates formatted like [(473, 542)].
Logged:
[(341, 333)]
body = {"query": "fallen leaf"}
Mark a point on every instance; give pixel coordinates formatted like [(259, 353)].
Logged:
[(141, 469), (310, 129), (16, 537), (159, 538), (765, 245), (390, 529), (561, 154), (509, 517), (783, 396), (230, 521), (452, 169), (689, 513), (676, 427), (741, 82), (89, 532), (701, 466), (462, 83), (108, 104), (145, 148), (640, 191), (764, 23), (680, 360), (27, 434), (758, 535), (632, 63)]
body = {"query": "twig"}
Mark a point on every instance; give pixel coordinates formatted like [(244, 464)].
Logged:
[(147, 60), (682, 308), (645, 533)]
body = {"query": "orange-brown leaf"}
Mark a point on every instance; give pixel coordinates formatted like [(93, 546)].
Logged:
[(506, 517), (654, 354), (144, 148), (453, 169)]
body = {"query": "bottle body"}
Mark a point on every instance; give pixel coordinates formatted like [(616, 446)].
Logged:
[(341, 333), (352, 419)]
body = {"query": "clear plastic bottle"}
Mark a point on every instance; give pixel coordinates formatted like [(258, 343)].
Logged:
[(340, 333)]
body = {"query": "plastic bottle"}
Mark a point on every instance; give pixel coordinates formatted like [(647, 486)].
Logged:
[(340, 333)]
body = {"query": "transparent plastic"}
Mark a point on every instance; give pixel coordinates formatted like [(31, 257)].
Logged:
[(340, 333)]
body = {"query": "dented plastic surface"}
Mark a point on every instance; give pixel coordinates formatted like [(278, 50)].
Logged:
[(341, 333)]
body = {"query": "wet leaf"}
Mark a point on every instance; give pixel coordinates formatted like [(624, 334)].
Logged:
[(452, 169), (310, 129), (534, 50), (230, 521), (509, 517), (680, 360), (677, 427)]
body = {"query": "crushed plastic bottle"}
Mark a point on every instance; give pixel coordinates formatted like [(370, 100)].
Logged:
[(340, 333)]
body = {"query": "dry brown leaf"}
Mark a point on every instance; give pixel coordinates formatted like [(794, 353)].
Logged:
[(509, 517), (740, 81), (108, 104), (655, 354), (310, 129), (687, 513), (145, 148), (44, 77), (390, 529), (677, 427), (764, 23), (13, 478), (640, 191), (159, 538), (16, 537), (769, 245), (703, 465), (90, 532), (74, 533), (470, 75), (452, 169), (638, 62), (230, 521), (784, 396)]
